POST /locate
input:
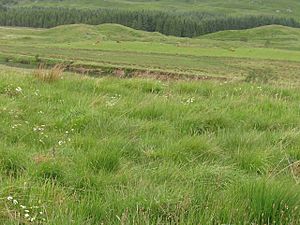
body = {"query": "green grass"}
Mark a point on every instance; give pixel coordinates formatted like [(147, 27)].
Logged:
[(108, 150), (140, 151), (230, 54), (289, 8)]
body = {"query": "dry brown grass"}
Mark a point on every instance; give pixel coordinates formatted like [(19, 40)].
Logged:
[(49, 75)]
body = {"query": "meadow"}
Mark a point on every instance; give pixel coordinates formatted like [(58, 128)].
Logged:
[(266, 52), (106, 124), (107, 150)]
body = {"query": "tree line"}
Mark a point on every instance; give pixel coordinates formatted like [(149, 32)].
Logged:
[(177, 24)]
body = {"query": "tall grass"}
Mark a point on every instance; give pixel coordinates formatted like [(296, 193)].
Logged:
[(113, 151), (49, 75)]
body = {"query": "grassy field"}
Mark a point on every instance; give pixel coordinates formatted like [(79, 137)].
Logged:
[(84, 150), (271, 51), (151, 129), (287, 8)]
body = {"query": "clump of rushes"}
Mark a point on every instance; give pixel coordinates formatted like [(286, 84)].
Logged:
[(49, 75)]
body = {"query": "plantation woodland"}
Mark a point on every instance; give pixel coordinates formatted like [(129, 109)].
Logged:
[(177, 24)]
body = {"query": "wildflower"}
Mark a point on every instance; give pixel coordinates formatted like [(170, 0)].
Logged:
[(26, 210), (15, 202), (60, 143), (41, 128), (23, 206), (10, 198), (26, 215), (18, 89), (190, 100)]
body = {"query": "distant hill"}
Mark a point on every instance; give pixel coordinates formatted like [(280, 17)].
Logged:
[(271, 32), (189, 18), (114, 32)]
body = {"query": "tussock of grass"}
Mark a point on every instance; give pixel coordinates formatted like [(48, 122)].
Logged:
[(49, 75), (137, 151), (12, 163)]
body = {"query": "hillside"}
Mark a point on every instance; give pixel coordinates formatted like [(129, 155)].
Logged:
[(188, 19), (113, 32), (272, 33), (133, 112), (225, 55)]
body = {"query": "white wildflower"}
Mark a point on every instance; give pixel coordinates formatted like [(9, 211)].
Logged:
[(18, 89), (10, 198), (15, 202), (26, 215), (36, 92), (190, 100)]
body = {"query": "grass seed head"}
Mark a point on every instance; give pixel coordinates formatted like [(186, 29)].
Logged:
[(49, 75)]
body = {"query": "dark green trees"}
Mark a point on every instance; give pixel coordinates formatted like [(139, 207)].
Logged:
[(169, 23)]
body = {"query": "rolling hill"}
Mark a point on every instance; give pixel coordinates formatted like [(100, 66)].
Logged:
[(272, 32), (177, 18), (229, 54), (149, 112)]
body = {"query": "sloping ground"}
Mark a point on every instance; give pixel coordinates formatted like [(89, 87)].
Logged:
[(82, 32), (114, 47), (272, 32), (111, 32), (115, 32), (119, 32)]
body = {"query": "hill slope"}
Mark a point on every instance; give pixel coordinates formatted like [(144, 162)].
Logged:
[(226, 54), (272, 32), (113, 32)]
